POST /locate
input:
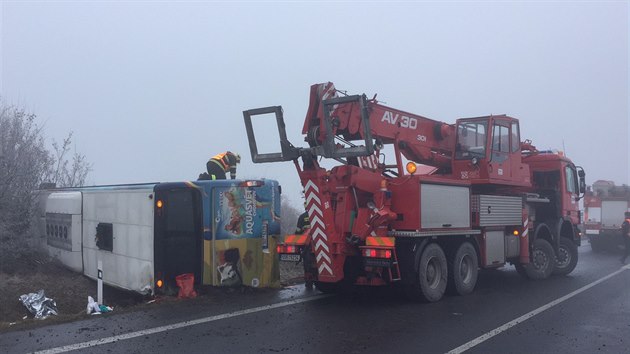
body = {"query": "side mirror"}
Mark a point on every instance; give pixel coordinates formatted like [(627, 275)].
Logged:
[(582, 176)]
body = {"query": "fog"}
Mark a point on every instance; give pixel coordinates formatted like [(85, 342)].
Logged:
[(151, 90)]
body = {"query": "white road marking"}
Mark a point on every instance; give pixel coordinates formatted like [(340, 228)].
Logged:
[(107, 340), (184, 324), (464, 347)]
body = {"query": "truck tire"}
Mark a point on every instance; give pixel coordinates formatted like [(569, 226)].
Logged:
[(327, 288), (463, 266), (543, 260), (567, 257), (596, 246), (431, 278), (520, 269)]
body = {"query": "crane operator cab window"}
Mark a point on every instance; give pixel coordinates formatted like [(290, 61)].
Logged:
[(471, 140), (500, 143), (516, 142)]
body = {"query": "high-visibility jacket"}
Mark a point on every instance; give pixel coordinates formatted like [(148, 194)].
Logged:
[(227, 161)]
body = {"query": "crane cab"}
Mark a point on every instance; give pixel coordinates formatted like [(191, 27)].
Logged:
[(488, 151)]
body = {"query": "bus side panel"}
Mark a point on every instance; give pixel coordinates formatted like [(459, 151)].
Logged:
[(118, 230)]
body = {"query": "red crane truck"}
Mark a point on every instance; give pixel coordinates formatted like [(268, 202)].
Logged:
[(604, 208), (490, 199)]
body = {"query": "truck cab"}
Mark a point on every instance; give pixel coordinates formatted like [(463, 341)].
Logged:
[(604, 207), (488, 151)]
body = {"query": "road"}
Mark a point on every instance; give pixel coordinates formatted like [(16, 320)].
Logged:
[(586, 312)]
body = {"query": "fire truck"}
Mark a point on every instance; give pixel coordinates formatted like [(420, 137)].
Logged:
[(604, 208), (488, 200)]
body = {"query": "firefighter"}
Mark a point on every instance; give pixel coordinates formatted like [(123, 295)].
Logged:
[(625, 233), (303, 223), (222, 163)]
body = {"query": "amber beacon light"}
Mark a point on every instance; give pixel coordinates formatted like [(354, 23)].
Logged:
[(411, 167)]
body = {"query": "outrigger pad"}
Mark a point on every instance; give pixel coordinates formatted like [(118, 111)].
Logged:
[(288, 151)]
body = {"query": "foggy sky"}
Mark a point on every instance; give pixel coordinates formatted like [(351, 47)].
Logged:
[(151, 90)]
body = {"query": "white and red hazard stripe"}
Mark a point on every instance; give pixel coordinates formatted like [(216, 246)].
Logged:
[(525, 227), (318, 229), (328, 91), (370, 162)]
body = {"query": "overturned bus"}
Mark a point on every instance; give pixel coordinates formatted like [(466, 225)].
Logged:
[(144, 235)]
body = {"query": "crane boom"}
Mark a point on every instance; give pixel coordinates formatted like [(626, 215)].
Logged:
[(419, 139)]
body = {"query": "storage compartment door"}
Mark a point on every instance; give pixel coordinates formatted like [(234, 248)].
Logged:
[(444, 206), (495, 248)]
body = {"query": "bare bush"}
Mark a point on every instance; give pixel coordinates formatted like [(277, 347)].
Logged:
[(68, 173), (289, 217), (26, 163)]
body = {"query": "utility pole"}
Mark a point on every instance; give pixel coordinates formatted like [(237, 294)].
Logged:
[(1, 149)]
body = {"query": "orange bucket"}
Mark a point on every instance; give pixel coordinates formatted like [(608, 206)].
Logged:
[(186, 284)]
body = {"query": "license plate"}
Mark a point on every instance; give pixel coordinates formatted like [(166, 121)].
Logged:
[(371, 262), (290, 257)]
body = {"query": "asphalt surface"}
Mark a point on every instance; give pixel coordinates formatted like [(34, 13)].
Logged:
[(585, 312)]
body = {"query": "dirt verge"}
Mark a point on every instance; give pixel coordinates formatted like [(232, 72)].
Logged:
[(30, 273)]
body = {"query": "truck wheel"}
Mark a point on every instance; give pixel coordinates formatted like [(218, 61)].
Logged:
[(327, 288), (543, 260), (567, 257), (432, 274), (596, 246), (520, 269), (464, 270)]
